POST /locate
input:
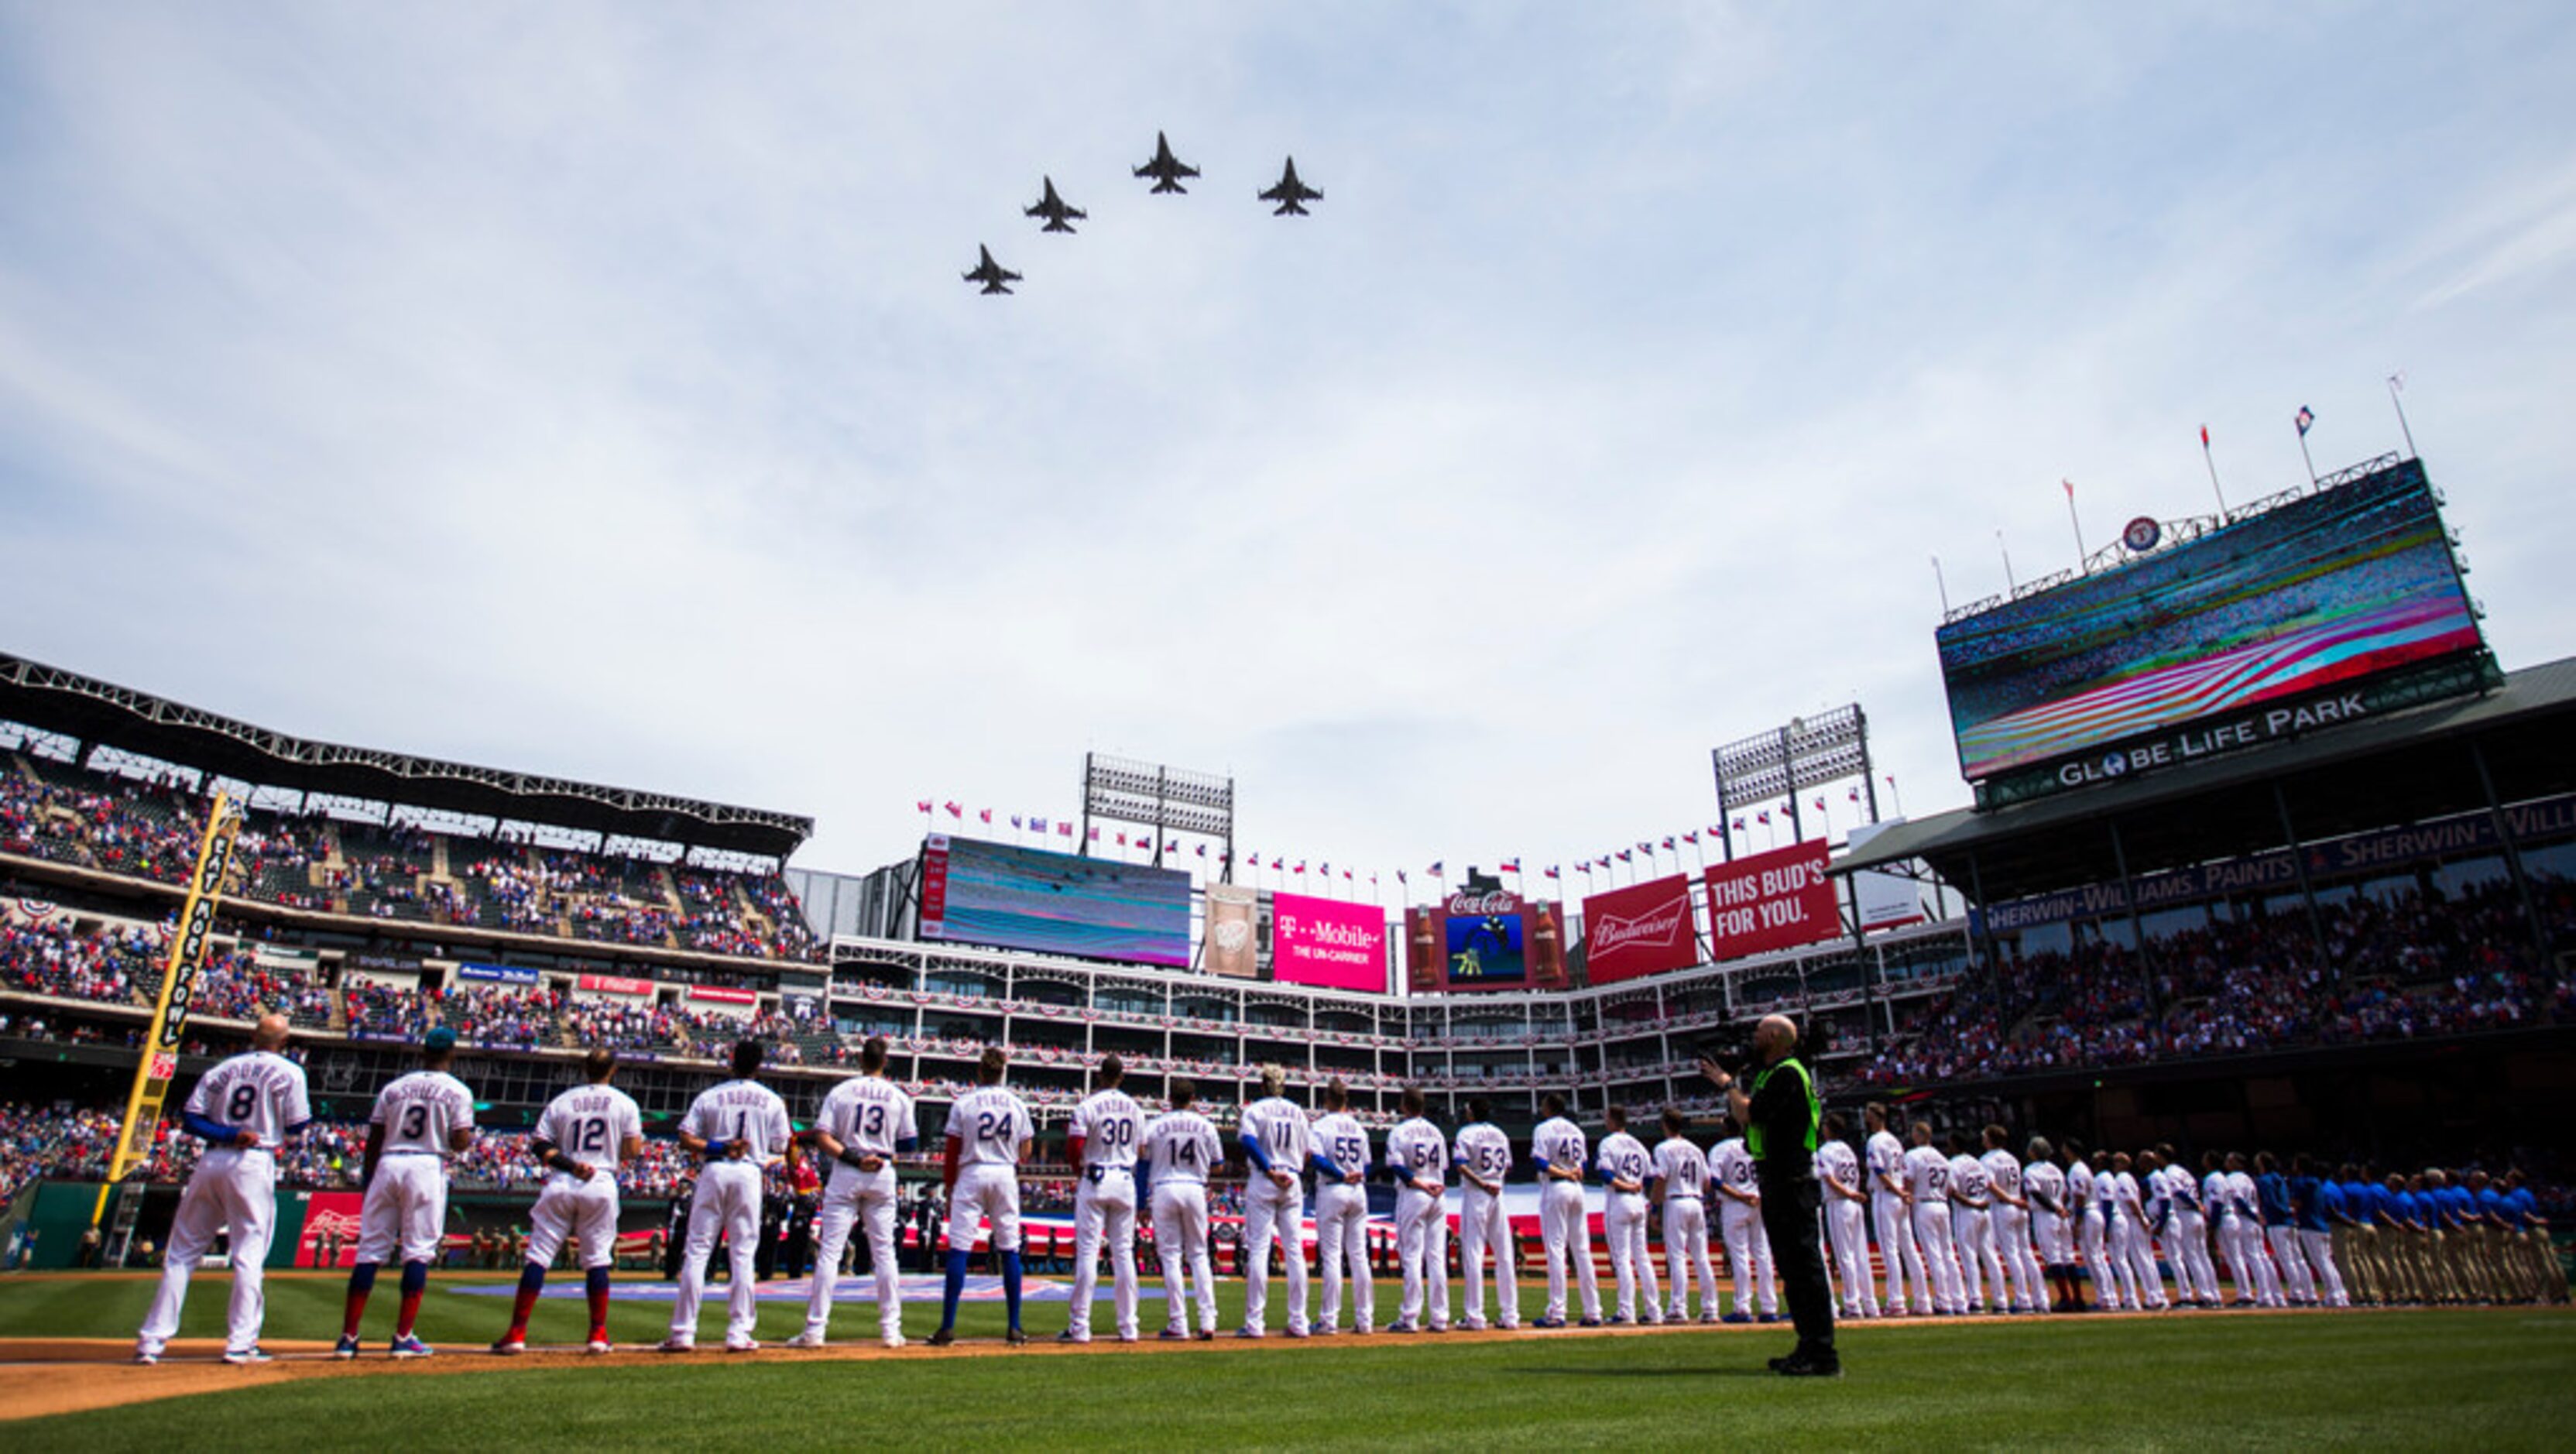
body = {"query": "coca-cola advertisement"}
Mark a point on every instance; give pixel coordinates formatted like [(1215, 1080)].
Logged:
[(1476, 940), (1775, 900), (1639, 930), (1327, 942)]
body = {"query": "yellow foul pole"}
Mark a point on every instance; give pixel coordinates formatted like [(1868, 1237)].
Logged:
[(160, 1058)]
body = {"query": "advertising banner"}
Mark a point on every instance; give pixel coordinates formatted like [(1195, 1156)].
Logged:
[(1887, 900), (1639, 930), (329, 1236), (1327, 942), (1485, 941), (499, 973), (611, 984), (973, 892), (723, 996), (1233, 947), (1775, 900), (378, 962)]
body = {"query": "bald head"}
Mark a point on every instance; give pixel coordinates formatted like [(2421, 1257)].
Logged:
[(270, 1033), (1775, 1037)]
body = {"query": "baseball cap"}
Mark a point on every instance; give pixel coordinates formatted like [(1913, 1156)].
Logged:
[(439, 1038)]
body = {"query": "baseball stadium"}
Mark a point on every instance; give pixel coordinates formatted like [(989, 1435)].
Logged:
[(545, 545)]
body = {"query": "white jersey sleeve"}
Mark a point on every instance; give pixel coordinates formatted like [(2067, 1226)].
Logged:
[(2003, 1172), (1560, 1143), (1886, 1158), (1485, 1151), (1418, 1148), (1340, 1139)]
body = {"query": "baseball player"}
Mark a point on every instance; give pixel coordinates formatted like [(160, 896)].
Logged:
[(1273, 1132), (2132, 1250), (1927, 1178), (1564, 1220), (419, 1121), (2088, 1197), (2317, 1206), (244, 1110), (1748, 1246), (865, 1122), (1179, 1148), (1106, 1128), (1484, 1157), (735, 1128), (1417, 1158), (1972, 1228), (1623, 1163), (2011, 1218), (1838, 1169), (989, 1130), (582, 1138), (1891, 1216), (2274, 1234), (1339, 1157), (2043, 1185), (1681, 1184), (2185, 1228)]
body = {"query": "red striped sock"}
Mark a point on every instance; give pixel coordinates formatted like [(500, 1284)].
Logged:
[(409, 1315)]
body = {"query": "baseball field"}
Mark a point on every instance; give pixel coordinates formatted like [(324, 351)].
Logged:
[(2491, 1379)]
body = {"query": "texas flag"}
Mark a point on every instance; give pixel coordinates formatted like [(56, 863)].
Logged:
[(922, 807), (1511, 865), (1763, 817), (955, 810), (1064, 830), (986, 815), (1625, 857), (1552, 873), (2307, 419), (1668, 844), (1584, 867)]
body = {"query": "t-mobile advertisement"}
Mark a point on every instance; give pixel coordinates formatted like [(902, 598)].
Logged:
[(1327, 942), (1775, 900), (1639, 930)]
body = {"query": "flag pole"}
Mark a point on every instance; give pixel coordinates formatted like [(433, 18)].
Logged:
[(2011, 585), (2306, 420), (2397, 385), (2211, 460), (1943, 582), (2079, 533)]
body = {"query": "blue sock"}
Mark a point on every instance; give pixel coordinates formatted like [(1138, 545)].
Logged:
[(415, 1277), (1011, 1286), (955, 1289), (362, 1278), (532, 1278), (595, 1281)]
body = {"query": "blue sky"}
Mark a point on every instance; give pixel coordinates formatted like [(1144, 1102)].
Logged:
[(590, 389)]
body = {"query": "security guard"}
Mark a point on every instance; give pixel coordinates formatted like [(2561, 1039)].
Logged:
[(1782, 1119)]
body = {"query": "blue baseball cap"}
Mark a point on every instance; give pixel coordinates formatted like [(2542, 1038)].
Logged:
[(438, 1039)]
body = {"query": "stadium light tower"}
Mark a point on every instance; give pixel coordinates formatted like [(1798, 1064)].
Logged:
[(1164, 799)]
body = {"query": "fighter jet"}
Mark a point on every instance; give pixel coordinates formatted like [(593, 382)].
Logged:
[(995, 277), (1060, 215), (1291, 194), (1166, 169)]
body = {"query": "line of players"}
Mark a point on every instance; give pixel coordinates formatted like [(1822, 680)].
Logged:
[(1961, 1224), (1954, 1227)]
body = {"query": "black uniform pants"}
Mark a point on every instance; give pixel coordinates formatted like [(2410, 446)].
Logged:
[(1789, 1218)]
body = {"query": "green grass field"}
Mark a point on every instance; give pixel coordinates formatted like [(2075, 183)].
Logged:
[(2491, 1379)]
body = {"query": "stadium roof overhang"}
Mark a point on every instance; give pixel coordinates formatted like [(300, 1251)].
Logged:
[(2404, 767), (53, 700)]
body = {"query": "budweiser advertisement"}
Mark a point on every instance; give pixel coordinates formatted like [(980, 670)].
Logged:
[(1232, 947), (1327, 942), (1775, 900), (1639, 930), (1485, 941)]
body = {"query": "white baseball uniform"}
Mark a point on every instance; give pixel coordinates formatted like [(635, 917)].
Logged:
[(1748, 1246), (1341, 1219), (589, 1124), (871, 1117), (990, 1126), (2268, 1275), (1927, 1175), (1104, 1204), (2132, 1241), (1683, 1170), (1419, 1153), (2228, 1230), (233, 1190), (1486, 1152), (1838, 1165), (748, 1115), (2044, 1186), (1624, 1158), (1972, 1232), (2187, 1233), (1272, 1212), (1901, 1259), (406, 1203), (1565, 1219), (2086, 1195), (1181, 1147), (2012, 1232)]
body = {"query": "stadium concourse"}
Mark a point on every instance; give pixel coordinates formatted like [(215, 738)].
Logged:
[(2318, 1003)]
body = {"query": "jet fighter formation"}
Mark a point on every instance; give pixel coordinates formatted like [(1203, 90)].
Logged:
[(1166, 170)]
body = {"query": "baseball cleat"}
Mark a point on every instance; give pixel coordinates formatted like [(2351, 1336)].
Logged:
[(1296, 1332), (1590, 1322), (408, 1345), (1015, 1338), (509, 1347), (1738, 1316), (1548, 1323), (742, 1345), (1174, 1335), (1206, 1335), (1128, 1337), (675, 1345), (241, 1356), (1768, 1318), (1708, 1317), (1247, 1332), (942, 1338), (599, 1345), (804, 1340), (1328, 1330), (347, 1347), (892, 1340), (1398, 1326), (1069, 1336), (1472, 1325), (1439, 1327), (147, 1356)]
